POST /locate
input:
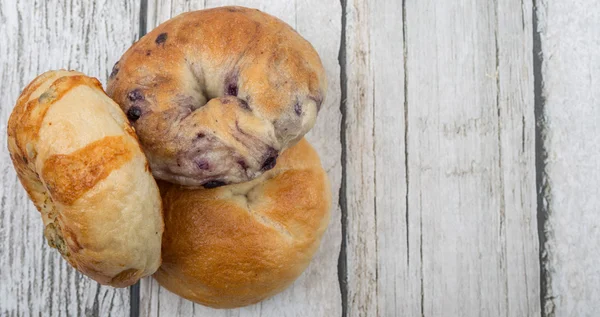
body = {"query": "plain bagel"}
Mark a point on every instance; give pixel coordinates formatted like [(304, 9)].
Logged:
[(217, 95), (82, 166), (239, 244)]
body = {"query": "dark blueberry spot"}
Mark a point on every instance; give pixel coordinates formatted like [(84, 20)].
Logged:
[(243, 164), (200, 135), (161, 38), (244, 104), (135, 95), (271, 160), (298, 108), (232, 89), (115, 70), (148, 52), (213, 184), (203, 164), (269, 164), (225, 101), (134, 113)]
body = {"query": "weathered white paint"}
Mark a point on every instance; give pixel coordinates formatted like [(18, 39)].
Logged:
[(37, 36), (364, 35), (517, 156), (316, 292), (570, 43), (440, 159)]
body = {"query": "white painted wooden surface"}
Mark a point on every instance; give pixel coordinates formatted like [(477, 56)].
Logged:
[(39, 35), (569, 34), (440, 159), (433, 151)]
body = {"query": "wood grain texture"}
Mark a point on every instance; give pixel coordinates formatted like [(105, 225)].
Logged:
[(316, 292), (516, 126), (440, 159), (569, 35), (39, 36)]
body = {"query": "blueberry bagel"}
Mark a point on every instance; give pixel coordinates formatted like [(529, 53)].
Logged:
[(82, 166), (216, 95)]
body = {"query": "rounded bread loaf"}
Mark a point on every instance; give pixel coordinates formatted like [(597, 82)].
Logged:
[(239, 244), (81, 164), (217, 95)]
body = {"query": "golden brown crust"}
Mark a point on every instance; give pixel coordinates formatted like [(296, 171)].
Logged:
[(239, 244), (173, 82), (83, 168), (69, 176)]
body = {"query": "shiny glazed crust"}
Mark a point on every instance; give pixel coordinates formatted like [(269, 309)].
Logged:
[(239, 244), (81, 164), (217, 95)]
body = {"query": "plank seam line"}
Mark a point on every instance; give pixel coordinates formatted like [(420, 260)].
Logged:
[(374, 147), (143, 18), (541, 156), (406, 163), (371, 70), (134, 290), (406, 172), (502, 215), (343, 259)]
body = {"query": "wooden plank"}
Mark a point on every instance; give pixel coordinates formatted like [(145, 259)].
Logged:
[(440, 159), (316, 292), (516, 121), (39, 36), (569, 108), (377, 247)]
